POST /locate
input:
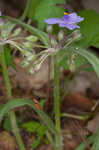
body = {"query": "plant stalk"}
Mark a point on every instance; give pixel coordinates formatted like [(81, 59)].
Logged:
[(12, 114), (58, 137), (24, 15)]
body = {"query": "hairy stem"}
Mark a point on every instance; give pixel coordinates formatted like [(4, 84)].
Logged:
[(57, 104), (8, 86)]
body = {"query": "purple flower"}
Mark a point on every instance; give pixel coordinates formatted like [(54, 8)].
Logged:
[(68, 21), (0, 13), (1, 21)]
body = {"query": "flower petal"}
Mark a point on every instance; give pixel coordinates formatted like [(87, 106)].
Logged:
[(66, 17), (74, 18), (54, 21), (69, 26), (73, 15)]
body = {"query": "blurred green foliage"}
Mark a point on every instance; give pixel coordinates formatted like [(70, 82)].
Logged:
[(35, 127), (89, 29), (41, 10)]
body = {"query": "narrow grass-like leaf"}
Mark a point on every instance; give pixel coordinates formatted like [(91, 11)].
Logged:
[(8, 57), (92, 59), (89, 140), (21, 102), (42, 35)]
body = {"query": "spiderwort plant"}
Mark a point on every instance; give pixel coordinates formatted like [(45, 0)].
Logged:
[(68, 21)]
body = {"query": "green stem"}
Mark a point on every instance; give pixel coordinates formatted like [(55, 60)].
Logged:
[(57, 104), (12, 114), (4, 70), (26, 10)]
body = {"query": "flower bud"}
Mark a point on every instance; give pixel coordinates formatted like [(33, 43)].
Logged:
[(76, 35), (27, 53), (34, 69), (60, 35), (24, 63), (53, 41), (71, 62), (31, 70), (4, 34), (31, 58), (17, 32), (32, 38), (28, 44), (37, 67), (49, 28)]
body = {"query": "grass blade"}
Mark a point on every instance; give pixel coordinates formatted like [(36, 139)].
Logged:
[(21, 102)]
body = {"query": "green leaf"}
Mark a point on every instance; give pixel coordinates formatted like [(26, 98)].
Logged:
[(32, 8), (41, 132), (89, 28), (96, 142), (8, 57), (92, 59), (31, 126), (78, 62), (37, 141), (7, 123), (90, 140), (42, 35), (95, 41), (21, 102), (35, 127), (48, 9)]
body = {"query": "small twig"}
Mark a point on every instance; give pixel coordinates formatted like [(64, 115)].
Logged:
[(86, 117)]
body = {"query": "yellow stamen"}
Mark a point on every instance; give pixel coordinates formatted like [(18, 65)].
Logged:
[(65, 13)]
